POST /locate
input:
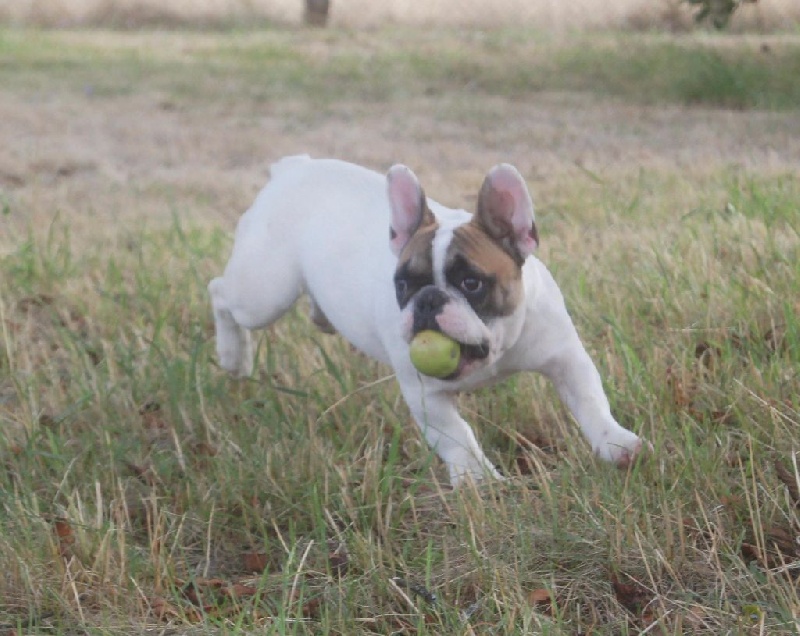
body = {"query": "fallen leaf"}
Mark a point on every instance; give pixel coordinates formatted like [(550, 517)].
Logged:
[(696, 617), (524, 463), (731, 501), (789, 480), (682, 389), (199, 592), (719, 417), (255, 561), (29, 302), (48, 421), (536, 441), (750, 552), (311, 608), (65, 537), (541, 599), (145, 473), (152, 417), (648, 617), (240, 590), (632, 596), (204, 449), (707, 354), (164, 610), (780, 546), (338, 557), (775, 339), (161, 608), (783, 540)]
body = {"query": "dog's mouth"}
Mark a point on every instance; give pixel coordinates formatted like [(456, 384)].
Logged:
[(474, 351), (471, 355)]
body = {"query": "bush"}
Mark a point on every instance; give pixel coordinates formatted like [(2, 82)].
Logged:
[(718, 12)]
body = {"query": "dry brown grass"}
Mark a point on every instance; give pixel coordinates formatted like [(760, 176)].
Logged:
[(130, 150), (143, 491)]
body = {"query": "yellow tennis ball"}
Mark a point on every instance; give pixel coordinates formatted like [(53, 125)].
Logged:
[(434, 354)]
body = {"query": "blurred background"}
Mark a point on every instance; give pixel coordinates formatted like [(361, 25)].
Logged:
[(764, 15)]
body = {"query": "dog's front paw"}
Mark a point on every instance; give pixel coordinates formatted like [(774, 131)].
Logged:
[(459, 476), (235, 364), (622, 448), (469, 467)]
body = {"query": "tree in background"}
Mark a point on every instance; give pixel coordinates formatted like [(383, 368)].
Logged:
[(316, 12), (718, 12)]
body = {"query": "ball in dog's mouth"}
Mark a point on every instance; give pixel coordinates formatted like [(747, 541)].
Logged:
[(435, 354)]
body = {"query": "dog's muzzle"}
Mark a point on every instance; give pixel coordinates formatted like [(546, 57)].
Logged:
[(429, 303)]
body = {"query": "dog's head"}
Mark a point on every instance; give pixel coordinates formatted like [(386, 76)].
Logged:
[(462, 274)]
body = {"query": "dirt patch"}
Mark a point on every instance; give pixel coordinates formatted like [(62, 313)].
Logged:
[(140, 156)]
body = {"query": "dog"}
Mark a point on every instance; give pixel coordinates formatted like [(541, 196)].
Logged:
[(381, 262)]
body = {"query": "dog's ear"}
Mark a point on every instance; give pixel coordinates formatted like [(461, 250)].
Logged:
[(409, 206), (505, 211)]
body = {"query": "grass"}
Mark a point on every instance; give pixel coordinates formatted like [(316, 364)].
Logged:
[(144, 489), (276, 64)]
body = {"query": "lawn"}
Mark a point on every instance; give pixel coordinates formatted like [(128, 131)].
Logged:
[(145, 490)]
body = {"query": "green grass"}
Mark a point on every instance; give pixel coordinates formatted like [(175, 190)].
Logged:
[(686, 73), (162, 471), (143, 489), (274, 64)]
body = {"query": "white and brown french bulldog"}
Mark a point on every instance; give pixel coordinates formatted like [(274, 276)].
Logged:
[(381, 262)]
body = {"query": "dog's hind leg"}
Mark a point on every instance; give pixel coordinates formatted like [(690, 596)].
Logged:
[(234, 342)]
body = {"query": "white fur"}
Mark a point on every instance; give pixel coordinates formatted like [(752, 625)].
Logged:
[(321, 227)]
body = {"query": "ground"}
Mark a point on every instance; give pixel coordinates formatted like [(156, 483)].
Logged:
[(127, 151), (143, 489)]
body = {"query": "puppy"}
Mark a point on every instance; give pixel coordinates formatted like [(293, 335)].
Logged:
[(381, 262)]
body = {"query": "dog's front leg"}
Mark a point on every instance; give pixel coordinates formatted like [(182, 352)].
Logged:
[(449, 434), (580, 387)]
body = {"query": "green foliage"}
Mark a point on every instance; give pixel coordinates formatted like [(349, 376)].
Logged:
[(718, 12), (691, 74)]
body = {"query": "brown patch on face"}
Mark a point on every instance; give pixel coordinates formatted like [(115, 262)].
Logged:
[(472, 254), (415, 264), (417, 254)]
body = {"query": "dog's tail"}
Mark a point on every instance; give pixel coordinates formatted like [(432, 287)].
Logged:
[(287, 163)]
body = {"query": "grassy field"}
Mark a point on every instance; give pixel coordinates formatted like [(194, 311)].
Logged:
[(143, 490)]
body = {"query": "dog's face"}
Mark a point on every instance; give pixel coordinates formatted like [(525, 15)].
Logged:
[(462, 275)]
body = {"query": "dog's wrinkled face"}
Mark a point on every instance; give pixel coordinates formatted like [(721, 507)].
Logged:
[(462, 275)]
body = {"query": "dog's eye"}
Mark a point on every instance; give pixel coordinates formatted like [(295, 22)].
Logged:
[(471, 285), (401, 287)]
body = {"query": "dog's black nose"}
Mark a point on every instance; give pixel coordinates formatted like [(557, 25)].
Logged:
[(428, 304)]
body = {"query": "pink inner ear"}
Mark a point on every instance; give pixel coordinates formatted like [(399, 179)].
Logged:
[(510, 204), (405, 198), (506, 180)]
